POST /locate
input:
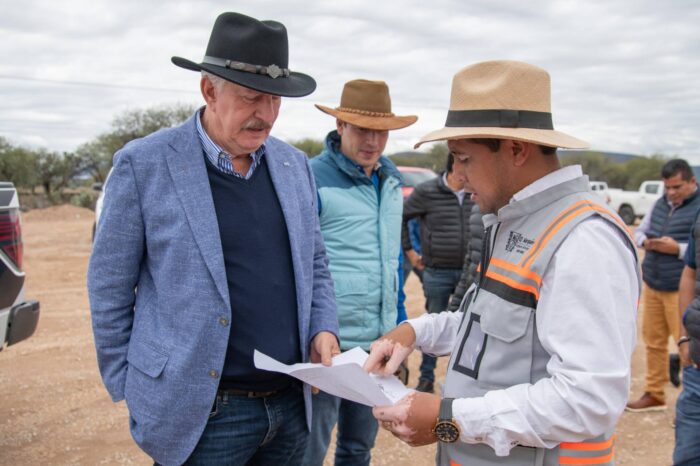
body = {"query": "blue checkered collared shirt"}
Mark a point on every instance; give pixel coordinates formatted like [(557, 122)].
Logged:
[(221, 159)]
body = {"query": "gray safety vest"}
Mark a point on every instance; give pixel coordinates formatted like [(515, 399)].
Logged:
[(497, 343)]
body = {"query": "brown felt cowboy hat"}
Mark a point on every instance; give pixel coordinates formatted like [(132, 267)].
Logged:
[(367, 104), (252, 53), (502, 100)]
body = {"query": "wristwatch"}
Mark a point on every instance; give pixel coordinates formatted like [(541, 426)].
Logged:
[(681, 340), (446, 429)]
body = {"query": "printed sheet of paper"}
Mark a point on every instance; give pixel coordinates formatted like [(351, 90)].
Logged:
[(345, 378)]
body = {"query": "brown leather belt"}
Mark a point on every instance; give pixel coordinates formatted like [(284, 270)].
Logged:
[(251, 394)]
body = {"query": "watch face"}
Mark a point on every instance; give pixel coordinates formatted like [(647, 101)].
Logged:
[(446, 431)]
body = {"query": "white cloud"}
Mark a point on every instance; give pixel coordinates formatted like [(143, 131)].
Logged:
[(624, 72)]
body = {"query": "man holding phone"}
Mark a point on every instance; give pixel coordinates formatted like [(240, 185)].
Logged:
[(663, 234)]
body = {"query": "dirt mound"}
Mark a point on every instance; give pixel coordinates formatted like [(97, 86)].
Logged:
[(65, 212)]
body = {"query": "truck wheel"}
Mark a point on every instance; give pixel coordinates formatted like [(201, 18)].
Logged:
[(627, 214)]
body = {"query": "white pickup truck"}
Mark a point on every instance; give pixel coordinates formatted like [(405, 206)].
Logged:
[(635, 204), (601, 189), (18, 318)]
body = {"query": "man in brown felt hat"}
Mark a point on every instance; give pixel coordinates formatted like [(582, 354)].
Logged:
[(359, 205), (540, 348), (208, 248)]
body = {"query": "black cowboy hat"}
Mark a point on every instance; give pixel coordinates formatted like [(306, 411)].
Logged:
[(253, 54)]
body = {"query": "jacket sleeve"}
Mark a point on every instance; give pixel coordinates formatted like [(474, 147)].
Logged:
[(413, 206), (324, 314), (113, 274), (471, 259), (462, 286)]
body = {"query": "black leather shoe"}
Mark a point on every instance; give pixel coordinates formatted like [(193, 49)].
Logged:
[(674, 369), (424, 386)]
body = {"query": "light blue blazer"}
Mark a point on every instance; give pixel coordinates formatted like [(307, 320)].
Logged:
[(157, 284)]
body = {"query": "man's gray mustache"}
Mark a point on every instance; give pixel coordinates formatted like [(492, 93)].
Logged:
[(256, 124)]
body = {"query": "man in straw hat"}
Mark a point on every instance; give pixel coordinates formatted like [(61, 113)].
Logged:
[(209, 247), (540, 348), (359, 205)]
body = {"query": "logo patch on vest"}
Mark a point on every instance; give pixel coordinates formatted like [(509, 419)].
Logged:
[(517, 242)]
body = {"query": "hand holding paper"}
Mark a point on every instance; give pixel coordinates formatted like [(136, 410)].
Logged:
[(344, 378)]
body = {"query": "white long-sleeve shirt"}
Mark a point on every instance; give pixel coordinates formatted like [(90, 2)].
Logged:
[(585, 320)]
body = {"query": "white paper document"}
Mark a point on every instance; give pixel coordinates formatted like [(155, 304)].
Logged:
[(345, 378)]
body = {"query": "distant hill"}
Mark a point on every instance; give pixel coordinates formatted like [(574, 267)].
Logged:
[(618, 157)]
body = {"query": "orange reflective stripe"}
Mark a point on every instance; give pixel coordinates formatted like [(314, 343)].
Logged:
[(624, 227), (523, 272), (563, 219), (512, 283), (543, 240), (588, 446), (454, 463), (595, 460)]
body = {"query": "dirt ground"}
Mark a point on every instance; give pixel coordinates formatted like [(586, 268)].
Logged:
[(55, 411)]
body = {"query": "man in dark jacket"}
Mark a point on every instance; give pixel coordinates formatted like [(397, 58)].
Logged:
[(471, 258), (663, 234), (443, 207)]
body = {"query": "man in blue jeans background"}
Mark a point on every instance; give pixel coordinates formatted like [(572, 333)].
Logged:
[(687, 449), (443, 208)]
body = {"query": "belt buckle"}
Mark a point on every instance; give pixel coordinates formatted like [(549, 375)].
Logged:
[(261, 394)]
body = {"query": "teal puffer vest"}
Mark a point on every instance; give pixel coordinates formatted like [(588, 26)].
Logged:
[(362, 232)]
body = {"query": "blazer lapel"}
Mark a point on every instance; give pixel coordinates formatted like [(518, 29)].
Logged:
[(284, 178), (189, 174)]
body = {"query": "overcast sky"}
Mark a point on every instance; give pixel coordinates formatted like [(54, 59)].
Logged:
[(625, 73)]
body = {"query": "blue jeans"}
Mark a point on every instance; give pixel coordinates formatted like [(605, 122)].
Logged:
[(438, 286), (357, 430), (254, 431), (687, 450)]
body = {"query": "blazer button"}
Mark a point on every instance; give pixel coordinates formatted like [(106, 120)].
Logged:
[(213, 374), (223, 321)]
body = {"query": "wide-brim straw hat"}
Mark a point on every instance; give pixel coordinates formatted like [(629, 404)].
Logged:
[(253, 54), (502, 100), (367, 104)]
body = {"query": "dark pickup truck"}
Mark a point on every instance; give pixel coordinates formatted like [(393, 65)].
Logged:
[(18, 318)]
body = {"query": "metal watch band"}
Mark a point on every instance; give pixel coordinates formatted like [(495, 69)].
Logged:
[(446, 409)]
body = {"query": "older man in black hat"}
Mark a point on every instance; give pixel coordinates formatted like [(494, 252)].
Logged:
[(209, 247)]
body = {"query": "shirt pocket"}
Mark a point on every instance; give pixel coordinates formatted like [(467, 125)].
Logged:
[(508, 348)]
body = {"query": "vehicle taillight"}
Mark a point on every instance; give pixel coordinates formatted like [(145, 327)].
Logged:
[(11, 236)]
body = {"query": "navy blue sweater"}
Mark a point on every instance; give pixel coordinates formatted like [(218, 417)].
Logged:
[(260, 276)]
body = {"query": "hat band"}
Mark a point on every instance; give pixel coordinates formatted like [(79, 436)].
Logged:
[(364, 112), (272, 71), (499, 118)]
